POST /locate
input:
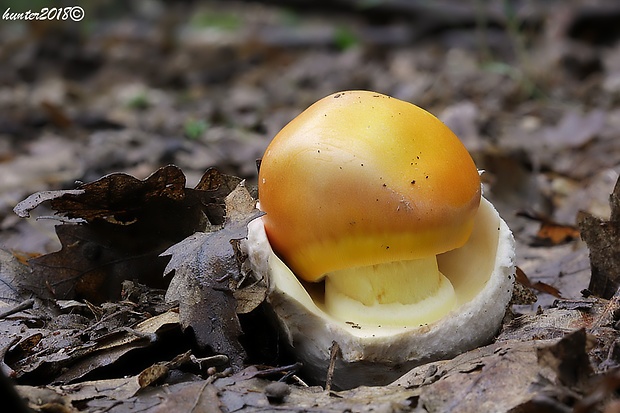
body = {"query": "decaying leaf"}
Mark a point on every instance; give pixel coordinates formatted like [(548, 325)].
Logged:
[(114, 390), (207, 267), (567, 358), (603, 240), (522, 293), (71, 340), (93, 263), (505, 376), (13, 274), (523, 280), (554, 323), (551, 232), (23, 208), (125, 224), (117, 198), (243, 391)]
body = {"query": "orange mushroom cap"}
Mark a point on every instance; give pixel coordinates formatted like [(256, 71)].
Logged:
[(360, 178)]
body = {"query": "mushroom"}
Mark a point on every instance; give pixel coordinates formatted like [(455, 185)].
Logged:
[(376, 237)]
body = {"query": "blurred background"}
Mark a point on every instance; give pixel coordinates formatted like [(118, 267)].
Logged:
[(532, 89)]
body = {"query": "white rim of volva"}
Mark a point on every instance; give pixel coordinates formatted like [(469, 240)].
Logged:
[(482, 270)]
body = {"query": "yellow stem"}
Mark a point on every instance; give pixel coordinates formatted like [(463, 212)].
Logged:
[(395, 293)]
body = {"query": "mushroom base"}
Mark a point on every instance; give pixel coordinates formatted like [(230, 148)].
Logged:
[(482, 273)]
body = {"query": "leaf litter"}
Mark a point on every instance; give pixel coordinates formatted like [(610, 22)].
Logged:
[(92, 330), (554, 353), (89, 316)]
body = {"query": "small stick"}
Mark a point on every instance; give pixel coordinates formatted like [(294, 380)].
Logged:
[(267, 372), (334, 353), (19, 307)]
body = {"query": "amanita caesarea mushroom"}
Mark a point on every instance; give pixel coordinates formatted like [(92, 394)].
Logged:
[(376, 237)]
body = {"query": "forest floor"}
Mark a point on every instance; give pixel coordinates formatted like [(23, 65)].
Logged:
[(532, 89)]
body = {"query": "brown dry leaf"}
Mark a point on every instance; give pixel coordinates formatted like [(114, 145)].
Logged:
[(46, 400), (109, 349), (523, 280), (114, 390), (505, 376), (23, 208), (515, 377), (574, 129), (568, 359), (12, 275), (603, 240), (242, 391), (126, 224), (159, 371), (604, 392), (120, 198), (553, 323), (205, 267), (152, 375), (523, 293), (58, 343), (63, 344), (550, 232), (200, 397), (92, 264)]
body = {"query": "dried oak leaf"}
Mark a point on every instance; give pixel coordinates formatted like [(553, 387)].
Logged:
[(207, 267), (550, 232), (124, 225), (92, 264), (603, 240)]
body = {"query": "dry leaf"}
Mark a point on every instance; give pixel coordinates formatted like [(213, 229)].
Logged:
[(508, 376), (126, 224), (568, 359), (603, 240), (13, 273), (205, 266), (550, 232), (540, 286)]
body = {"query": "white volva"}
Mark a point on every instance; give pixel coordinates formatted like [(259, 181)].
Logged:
[(465, 310)]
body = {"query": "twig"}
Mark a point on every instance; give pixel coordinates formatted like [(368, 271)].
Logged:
[(334, 353), (19, 307), (298, 380), (205, 363), (268, 372)]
